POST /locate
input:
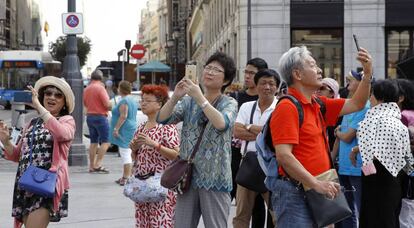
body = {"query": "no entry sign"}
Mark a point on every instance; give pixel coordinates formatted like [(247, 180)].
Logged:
[(137, 51)]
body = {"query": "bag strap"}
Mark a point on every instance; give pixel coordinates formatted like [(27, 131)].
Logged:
[(197, 145), (250, 122), (325, 137), (31, 141)]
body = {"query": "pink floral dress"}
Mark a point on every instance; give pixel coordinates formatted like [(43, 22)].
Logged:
[(159, 214)]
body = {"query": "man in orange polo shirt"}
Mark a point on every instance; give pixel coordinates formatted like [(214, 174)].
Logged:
[(96, 101), (301, 150)]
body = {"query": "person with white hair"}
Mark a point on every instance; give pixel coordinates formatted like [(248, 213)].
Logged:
[(44, 144), (302, 150)]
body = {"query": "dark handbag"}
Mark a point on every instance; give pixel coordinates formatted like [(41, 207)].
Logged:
[(250, 175), (177, 176), (327, 211), (36, 180)]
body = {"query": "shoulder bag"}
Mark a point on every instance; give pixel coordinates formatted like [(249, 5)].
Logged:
[(37, 180), (327, 211), (250, 175), (177, 176)]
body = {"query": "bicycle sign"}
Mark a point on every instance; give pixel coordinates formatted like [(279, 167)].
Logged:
[(72, 23)]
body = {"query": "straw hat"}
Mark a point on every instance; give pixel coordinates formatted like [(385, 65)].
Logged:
[(61, 84)]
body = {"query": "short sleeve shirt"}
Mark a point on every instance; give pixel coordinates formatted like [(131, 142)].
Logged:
[(309, 145), (95, 99)]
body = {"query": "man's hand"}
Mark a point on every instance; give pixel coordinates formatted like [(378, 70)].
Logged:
[(328, 188)]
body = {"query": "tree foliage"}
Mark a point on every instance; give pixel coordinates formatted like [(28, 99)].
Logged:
[(58, 49)]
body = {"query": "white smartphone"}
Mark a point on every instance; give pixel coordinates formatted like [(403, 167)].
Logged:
[(191, 72)]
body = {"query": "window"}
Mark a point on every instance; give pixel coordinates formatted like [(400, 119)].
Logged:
[(399, 47), (326, 46)]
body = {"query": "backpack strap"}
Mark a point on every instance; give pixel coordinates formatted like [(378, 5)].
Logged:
[(297, 105), (322, 106)]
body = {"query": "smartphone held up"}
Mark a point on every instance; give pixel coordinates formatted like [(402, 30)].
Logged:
[(191, 72), (356, 42)]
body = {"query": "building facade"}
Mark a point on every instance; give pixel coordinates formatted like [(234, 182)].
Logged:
[(20, 25), (267, 28)]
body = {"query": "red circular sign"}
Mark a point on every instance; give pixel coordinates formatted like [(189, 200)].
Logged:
[(137, 51)]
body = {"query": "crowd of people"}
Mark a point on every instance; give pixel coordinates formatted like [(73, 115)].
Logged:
[(365, 129)]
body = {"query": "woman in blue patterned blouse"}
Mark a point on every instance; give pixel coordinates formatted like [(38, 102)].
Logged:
[(209, 195)]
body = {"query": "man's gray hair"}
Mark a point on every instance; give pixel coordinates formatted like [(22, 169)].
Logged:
[(97, 75), (290, 60)]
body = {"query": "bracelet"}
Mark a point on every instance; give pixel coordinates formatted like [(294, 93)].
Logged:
[(204, 104)]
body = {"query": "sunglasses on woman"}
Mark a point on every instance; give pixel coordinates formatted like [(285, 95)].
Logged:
[(56, 94)]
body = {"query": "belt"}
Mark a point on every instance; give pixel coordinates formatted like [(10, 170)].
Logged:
[(293, 181), (95, 114)]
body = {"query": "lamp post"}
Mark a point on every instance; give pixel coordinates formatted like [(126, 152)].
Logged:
[(176, 35), (71, 72), (170, 45)]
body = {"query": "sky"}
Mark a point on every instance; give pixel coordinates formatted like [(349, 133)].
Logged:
[(107, 23)]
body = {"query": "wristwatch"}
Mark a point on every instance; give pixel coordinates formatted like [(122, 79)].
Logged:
[(248, 127)]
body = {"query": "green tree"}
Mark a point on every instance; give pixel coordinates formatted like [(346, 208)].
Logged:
[(58, 49)]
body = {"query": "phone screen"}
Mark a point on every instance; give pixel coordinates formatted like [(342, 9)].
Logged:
[(356, 42), (191, 72)]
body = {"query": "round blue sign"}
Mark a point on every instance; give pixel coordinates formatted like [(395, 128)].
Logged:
[(72, 21)]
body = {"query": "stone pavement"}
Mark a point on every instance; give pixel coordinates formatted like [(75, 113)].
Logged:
[(94, 199)]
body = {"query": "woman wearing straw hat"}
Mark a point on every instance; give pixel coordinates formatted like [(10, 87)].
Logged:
[(54, 131)]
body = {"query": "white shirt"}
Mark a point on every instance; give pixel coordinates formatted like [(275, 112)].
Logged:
[(259, 118)]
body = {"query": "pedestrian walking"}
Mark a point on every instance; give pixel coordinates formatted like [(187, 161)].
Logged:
[(44, 144), (384, 146), (249, 123), (96, 101), (153, 147), (123, 126), (211, 182), (301, 150)]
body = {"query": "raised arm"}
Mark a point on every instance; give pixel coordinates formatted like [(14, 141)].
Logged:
[(361, 95)]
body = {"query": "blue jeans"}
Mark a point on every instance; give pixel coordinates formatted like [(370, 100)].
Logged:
[(290, 206), (353, 198)]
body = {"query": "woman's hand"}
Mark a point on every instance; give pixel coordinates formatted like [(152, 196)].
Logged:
[(193, 90), (134, 145), (4, 131), (353, 155), (179, 91), (115, 133), (35, 98), (144, 139), (366, 61)]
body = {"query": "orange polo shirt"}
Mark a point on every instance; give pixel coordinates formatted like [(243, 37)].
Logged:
[(95, 99), (309, 146)]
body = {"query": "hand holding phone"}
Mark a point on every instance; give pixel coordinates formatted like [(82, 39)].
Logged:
[(356, 42), (191, 72), (23, 96)]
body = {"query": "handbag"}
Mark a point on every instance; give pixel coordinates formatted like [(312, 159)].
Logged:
[(250, 175), (325, 211), (37, 180), (177, 176), (407, 206), (145, 189)]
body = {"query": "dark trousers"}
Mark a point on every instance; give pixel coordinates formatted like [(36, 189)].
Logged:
[(259, 213), (380, 199)]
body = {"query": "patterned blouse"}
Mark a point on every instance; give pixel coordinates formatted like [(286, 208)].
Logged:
[(212, 170), (383, 136)]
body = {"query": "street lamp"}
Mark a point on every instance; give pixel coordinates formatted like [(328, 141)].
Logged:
[(176, 35)]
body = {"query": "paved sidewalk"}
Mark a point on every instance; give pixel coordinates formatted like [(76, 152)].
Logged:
[(94, 199)]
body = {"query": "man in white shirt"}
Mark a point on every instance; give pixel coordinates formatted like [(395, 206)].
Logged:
[(267, 82)]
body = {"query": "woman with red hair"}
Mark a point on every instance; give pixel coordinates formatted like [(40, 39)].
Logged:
[(153, 147)]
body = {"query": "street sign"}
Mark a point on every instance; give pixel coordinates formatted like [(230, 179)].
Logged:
[(72, 23), (137, 51)]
